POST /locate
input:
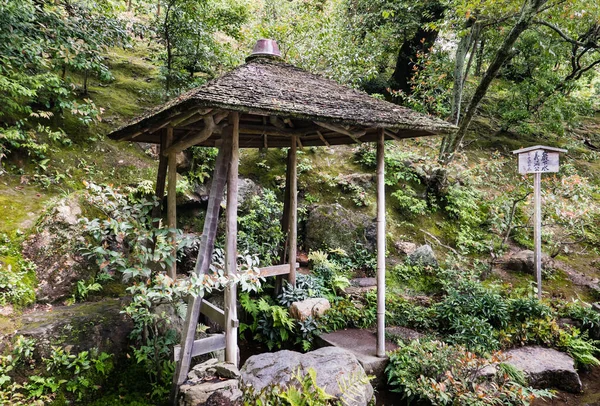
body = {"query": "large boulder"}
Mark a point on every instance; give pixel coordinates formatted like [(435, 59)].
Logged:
[(79, 327), (333, 226), (522, 261), (54, 251), (334, 366), (423, 255), (544, 368), (313, 307)]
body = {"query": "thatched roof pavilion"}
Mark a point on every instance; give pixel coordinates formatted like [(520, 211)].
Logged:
[(276, 100), (265, 103)]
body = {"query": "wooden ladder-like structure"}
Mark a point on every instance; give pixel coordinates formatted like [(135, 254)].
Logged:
[(218, 342), (226, 174)]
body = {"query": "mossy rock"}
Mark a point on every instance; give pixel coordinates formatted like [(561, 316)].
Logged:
[(80, 327), (333, 226), (54, 249)]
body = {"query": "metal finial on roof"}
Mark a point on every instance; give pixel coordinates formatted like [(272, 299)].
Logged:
[(265, 47)]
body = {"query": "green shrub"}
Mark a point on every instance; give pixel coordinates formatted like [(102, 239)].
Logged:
[(259, 227), (585, 315), (345, 313), (15, 284), (580, 347), (448, 375), (473, 333), (401, 312), (307, 286), (472, 299)]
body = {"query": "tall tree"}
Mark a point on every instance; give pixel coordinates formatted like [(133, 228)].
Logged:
[(532, 14)]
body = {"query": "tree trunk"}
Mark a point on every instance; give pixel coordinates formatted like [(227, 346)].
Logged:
[(480, 54), (459, 69), (451, 142), (423, 40)]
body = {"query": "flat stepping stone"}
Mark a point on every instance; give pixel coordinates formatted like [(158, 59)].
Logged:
[(363, 344)]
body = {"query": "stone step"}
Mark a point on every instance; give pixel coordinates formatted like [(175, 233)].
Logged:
[(363, 344)]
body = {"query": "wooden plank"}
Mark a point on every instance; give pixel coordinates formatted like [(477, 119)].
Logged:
[(381, 244), (172, 202), (293, 224), (231, 349), (203, 346), (207, 244), (213, 312), (283, 269)]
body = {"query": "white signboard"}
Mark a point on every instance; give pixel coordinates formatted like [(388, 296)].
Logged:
[(538, 161)]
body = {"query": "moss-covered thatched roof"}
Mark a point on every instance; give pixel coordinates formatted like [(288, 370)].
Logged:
[(276, 100)]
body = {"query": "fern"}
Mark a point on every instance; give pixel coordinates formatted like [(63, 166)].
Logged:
[(351, 387)]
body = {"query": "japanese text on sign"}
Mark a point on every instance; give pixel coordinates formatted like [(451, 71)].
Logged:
[(538, 161)]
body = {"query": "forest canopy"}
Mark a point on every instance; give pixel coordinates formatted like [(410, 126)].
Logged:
[(437, 56)]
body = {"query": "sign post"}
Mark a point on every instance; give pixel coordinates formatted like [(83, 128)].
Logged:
[(537, 160)]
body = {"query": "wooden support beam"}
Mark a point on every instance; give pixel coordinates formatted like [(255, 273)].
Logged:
[(172, 203), (392, 135), (269, 130), (203, 346), (207, 244), (212, 312), (293, 226), (161, 180), (209, 127), (323, 139), (341, 130), (231, 349), (277, 270), (381, 244), (220, 116), (184, 119), (285, 218), (277, 122), (132, 136), (160, 127), (299, 142)]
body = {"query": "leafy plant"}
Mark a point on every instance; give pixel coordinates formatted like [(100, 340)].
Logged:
[(259, 227), (449, 375)]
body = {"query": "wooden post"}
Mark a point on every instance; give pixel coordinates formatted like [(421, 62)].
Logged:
[(537, 231), (285, 218), (207, 243), (293, 223), (161, 178), (231, 322), (381, 244), (172, 202)]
